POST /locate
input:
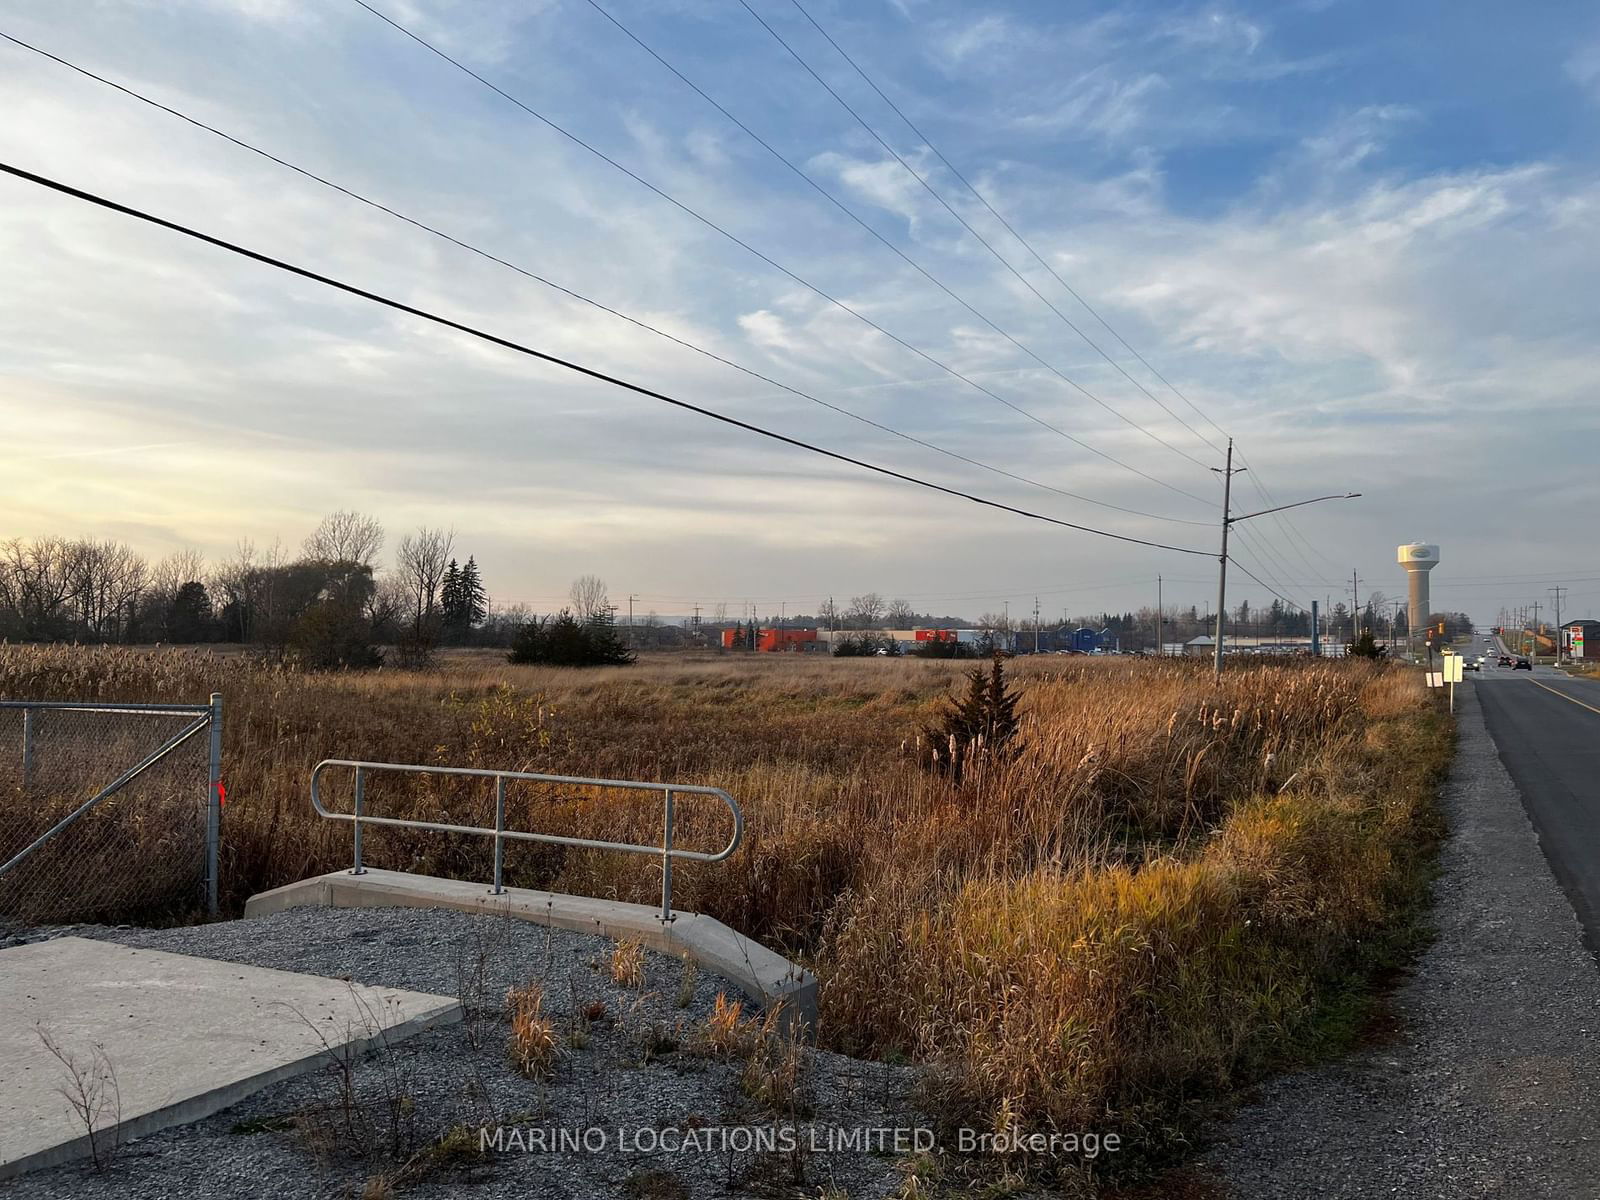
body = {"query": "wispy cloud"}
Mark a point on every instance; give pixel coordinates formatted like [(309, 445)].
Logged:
[(1259, 223)]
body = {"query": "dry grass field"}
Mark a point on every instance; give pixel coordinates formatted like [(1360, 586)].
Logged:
[(1172, 887)]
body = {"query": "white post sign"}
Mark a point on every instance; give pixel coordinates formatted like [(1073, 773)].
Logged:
[(1453, 675)]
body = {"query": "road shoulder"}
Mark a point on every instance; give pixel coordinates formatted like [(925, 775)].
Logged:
[(1486, 1089)]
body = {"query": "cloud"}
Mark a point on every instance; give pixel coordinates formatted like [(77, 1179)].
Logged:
[(1583, 68), (767, 329), (1337, 307), (1214, 29)]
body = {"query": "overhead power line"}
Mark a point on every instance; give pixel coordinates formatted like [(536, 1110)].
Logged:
[(1292, 535), (566, 291), (1283, 520), (577, 368), (773, 263), (1250, 541), (1269, 587), (896, 250), (867, 79)]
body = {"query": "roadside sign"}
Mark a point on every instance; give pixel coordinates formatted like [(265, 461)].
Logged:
[(1435, 678), (1452, 668)]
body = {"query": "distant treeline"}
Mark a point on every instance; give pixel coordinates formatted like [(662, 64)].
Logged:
[(330, 605)]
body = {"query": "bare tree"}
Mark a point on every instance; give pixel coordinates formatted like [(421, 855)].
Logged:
[(36, 584), (588, 595), (106, 579), (865, 611), (387, 606), (235, 584), (901, 615), (420, 563), (172, 572), (163, 582), (828, 613), (346, 537)]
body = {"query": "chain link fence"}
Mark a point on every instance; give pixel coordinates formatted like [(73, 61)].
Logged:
[(108, 812)]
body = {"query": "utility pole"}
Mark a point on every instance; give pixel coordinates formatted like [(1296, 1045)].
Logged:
[(1355, 608), (1228, 473), (1036, 624), (1161, 649), (1558, 590), (631, 599), (1533, 634)]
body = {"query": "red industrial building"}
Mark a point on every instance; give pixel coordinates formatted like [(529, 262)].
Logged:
[(772, 640)]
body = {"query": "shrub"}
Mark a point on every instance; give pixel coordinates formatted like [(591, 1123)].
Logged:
[(1365, 646), (333, 634), (945, 648), (627, 964), (564, 641), (983, 723), (533, 1045), (866, 645)]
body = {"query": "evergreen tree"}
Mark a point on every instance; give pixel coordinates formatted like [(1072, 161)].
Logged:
[(188, 617), (474, 597), (1365, 646), (451, 608), (564, 641), (606, 647), (983, 723)]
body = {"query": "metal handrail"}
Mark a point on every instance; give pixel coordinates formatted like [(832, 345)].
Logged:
[(500, 833)]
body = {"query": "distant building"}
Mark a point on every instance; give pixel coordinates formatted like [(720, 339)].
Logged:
[(1200, 647), (1582, 639), (776, 640)]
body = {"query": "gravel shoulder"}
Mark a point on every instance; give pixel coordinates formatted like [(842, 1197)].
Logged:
[(335, 1131), (1487, 1089)]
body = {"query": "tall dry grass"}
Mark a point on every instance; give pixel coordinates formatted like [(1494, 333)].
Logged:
[(1154, 898)]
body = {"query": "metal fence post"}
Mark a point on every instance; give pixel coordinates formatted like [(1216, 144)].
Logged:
[(666, 858), (499, 831), (214, 806), (27, 748), (361, 791)]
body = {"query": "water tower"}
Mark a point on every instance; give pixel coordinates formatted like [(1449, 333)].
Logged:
[(1418, 559)]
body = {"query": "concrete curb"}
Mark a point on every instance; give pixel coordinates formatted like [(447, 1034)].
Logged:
[(765, 977)]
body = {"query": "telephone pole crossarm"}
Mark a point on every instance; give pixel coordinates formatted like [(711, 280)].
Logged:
[(1228, 471)]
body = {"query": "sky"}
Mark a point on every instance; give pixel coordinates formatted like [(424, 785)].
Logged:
[(1361, 239)]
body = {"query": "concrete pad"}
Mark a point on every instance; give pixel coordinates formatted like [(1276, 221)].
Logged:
[(185, 1036), (767, 978)]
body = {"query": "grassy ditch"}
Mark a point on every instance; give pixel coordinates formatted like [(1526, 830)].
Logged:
[(1174, 884)]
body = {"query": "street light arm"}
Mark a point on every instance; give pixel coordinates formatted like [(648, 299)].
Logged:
[(1298, 503)]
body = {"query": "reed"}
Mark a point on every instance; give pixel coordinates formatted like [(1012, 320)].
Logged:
[(1156, 897)]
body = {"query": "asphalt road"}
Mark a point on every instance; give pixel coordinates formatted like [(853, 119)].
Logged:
[(1546, 727)]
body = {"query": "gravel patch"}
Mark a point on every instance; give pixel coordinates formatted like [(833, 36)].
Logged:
[(634, 1070), (1487, 1088)]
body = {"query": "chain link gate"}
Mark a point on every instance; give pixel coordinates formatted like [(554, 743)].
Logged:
[(108, 812)]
